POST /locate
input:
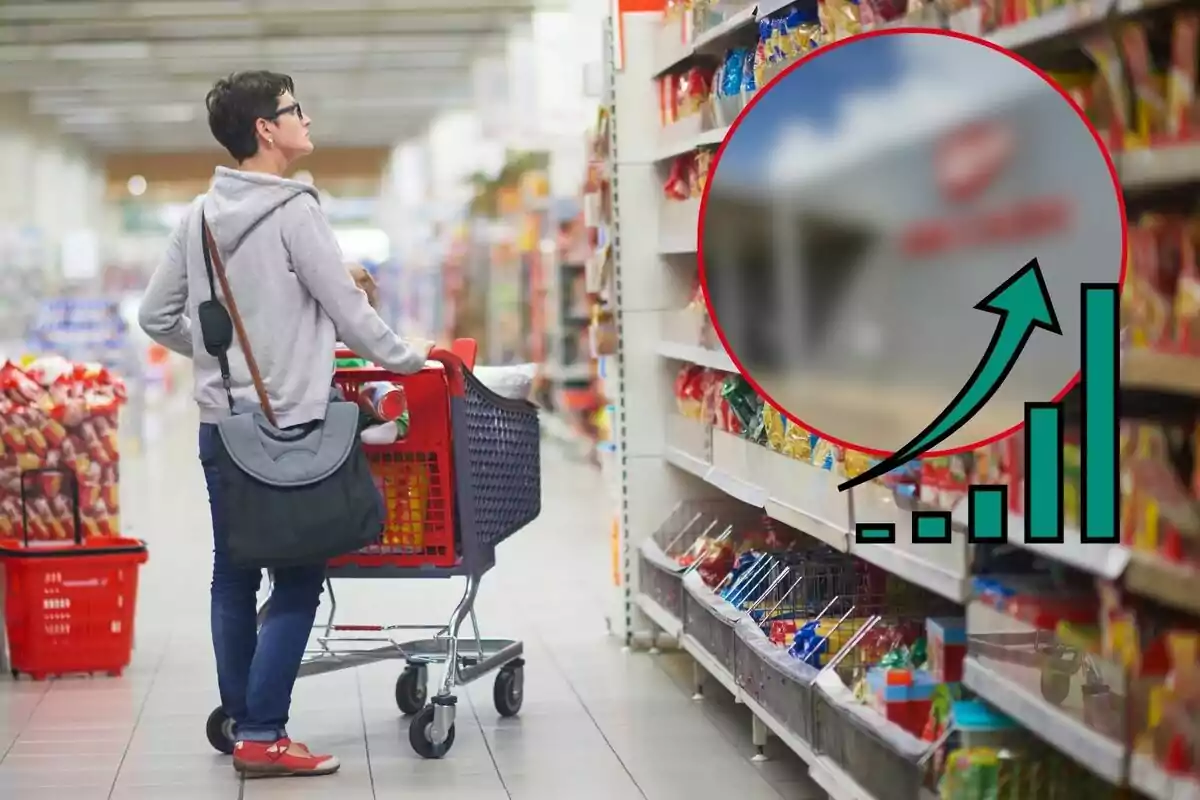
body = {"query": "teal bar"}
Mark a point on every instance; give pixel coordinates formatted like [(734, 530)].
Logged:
[(987, 510), (931, 527), (1100, 357), (1043, 474), (881, 533)]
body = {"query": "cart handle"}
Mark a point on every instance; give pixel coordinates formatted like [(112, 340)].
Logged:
[(454, 367)]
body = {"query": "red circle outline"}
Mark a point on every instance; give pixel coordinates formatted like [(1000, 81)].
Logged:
[(1108, 160)]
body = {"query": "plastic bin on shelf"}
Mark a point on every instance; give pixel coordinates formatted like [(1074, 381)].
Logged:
[(883, 758), (660, 571), (69, 607)]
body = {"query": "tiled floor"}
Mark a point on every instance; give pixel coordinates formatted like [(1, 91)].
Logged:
[(598, 724)]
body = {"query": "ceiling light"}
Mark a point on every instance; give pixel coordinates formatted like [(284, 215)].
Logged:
[(136, 186)]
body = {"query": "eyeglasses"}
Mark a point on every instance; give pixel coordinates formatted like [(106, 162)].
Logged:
[(294, 107)]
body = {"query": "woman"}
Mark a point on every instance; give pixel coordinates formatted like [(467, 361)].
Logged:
[(296, 297)]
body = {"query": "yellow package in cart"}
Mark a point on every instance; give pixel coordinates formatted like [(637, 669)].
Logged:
[(407, 497)]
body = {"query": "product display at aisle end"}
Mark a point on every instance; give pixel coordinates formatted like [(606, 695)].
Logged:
[(71, 575), (899, 669)]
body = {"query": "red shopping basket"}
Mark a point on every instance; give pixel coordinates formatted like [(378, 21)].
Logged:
[(69, 607)]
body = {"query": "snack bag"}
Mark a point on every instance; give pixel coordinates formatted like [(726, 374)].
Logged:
[(1149, 87), (690, 385), (854, 463), (1183, 112), (798, 443), (1145, 307), (1111, 94), (762, 53), (702, 164), (824, 455), (1187, 294), (840, 18), (775, 426), (732, 70)]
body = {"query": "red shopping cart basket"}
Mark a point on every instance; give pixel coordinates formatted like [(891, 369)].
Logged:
[(424, 475), (69, 607)]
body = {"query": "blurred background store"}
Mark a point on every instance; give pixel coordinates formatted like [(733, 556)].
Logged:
[(452, 150)]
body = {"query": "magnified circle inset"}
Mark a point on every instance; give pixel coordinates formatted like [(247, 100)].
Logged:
[(866, 202)]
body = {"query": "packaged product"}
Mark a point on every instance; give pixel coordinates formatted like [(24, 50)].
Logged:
[(513, 382), (824, 454), (1145, 301), (776, 47), (694, 87), (762, 53), (743, 403), (1157, 509), (59, 416), (677, 186), (701, 168), (1149, 85), (749, 73), (804, 29), (1183, 111), (774, 427), (691, 384), (732, 70), (1110, 97), (840, 18), (854, 463), (798, 443), (383, 401), (1186, 309)]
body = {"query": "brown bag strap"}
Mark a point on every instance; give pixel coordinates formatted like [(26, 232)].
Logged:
[(231, 306)]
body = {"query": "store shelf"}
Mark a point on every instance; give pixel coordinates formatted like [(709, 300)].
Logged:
[(831, 778), (1159, 166), (1164, 372), (694, 354), (708, 138), (793, 492), (940, 568), (715, 39), (1067, 735), (1067, 19), (1152, 781), (1102, 560), (673, 52), (1171, 584), (678, 226), (670, 625)]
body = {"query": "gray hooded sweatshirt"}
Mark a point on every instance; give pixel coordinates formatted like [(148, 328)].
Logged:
[(292, 289)]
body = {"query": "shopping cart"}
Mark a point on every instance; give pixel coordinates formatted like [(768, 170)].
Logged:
[(465, 477)]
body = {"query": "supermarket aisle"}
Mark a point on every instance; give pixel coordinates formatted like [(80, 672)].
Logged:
[(597, 723)]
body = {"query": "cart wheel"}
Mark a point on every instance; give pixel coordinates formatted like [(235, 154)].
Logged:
[(1056, 686), (509, 690), (412, 689), (220, 731), (419, 735)]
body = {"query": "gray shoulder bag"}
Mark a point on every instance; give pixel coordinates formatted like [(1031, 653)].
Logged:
[(291, 496)]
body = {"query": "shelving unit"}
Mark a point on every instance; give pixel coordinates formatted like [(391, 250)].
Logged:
[(671, 465)]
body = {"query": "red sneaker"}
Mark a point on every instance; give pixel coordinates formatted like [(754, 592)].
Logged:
[(280, 759)]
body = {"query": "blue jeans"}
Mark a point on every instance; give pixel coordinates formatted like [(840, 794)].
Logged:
[(256, 667)]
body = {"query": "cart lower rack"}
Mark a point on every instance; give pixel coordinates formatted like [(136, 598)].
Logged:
[(465, 477)]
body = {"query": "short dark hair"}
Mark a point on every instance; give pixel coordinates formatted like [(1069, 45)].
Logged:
[(235, 104)]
